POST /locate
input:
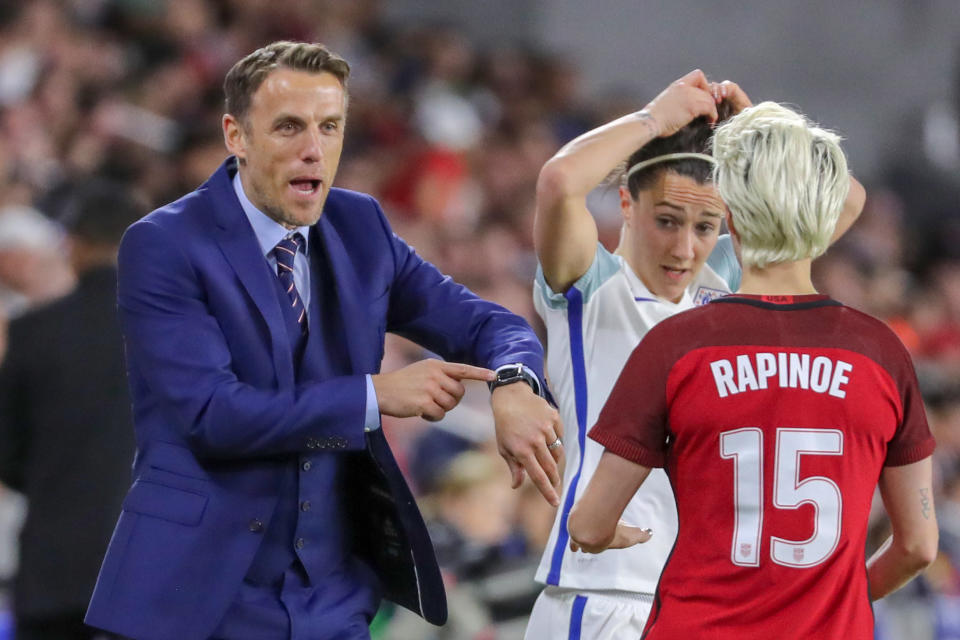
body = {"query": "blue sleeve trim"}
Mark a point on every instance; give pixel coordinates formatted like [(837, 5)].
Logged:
[(603, 267)]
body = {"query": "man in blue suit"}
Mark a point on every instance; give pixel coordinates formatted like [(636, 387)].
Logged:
[(266, 503)]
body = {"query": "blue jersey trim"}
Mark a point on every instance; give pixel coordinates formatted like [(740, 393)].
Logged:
[(575, 327), (576, 617), (604, 266)]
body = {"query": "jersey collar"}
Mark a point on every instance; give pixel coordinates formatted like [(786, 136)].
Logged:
[(808, 301)]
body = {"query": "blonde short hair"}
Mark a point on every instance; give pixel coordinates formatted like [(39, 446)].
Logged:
[(784, 180)]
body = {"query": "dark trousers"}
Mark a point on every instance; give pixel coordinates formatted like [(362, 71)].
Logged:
[(59, 627)]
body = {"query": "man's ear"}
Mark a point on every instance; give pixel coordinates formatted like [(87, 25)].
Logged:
[(234, 137)]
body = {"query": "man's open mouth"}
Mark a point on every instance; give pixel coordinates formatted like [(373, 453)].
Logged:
[(306, 185)]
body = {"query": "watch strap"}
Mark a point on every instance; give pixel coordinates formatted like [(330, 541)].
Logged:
[(518, 372)]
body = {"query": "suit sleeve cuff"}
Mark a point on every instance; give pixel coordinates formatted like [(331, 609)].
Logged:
[(372, 417)]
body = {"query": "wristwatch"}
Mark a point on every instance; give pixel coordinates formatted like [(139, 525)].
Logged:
[(519, 372)]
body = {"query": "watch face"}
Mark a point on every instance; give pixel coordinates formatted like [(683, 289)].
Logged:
[(507, 374)]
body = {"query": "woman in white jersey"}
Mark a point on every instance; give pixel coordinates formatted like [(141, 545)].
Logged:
[(597, 306)]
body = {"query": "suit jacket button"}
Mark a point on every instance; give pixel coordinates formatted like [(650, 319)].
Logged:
[(306, 465), (299, 543), (256, 526), (305, 505)]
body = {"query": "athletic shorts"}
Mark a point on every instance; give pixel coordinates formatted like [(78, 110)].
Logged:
[(568, 614)]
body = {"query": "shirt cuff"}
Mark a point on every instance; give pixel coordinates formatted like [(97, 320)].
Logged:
[(533, 374), (544, 389), (372, 417), (911, 454)]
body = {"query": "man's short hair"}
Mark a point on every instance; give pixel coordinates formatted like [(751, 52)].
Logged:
[(693, 138), (784, 180), (246, 76)]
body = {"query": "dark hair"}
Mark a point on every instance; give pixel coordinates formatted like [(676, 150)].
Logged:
[(100, 210), (693, 138), (246, 76)]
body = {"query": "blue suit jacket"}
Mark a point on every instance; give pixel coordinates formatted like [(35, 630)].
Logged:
[(216, 404)]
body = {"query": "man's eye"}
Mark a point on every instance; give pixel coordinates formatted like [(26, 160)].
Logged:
[(706, 227), (288, 127)]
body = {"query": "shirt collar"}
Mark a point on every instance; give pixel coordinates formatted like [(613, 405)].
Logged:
[(268, 231)]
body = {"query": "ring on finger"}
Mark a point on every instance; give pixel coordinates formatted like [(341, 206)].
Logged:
[(556, 443)]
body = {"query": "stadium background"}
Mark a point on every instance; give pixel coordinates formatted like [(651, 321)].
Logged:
[(454, 108)]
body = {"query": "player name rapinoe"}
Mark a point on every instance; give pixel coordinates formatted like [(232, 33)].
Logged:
[(754, 372)]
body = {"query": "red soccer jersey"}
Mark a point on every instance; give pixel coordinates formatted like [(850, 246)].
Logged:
[(773, 418)]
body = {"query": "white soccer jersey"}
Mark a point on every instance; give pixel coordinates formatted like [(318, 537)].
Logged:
[(591, 331)]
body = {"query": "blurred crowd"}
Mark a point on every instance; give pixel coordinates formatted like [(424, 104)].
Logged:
[(449, 136)]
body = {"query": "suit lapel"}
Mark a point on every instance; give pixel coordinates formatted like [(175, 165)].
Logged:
[(348, 288), (239, 245)]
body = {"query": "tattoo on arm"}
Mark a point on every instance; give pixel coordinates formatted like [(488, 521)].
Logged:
[(925, 506), (650, 122)]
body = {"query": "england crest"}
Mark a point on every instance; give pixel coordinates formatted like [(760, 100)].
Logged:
[(706, 294)]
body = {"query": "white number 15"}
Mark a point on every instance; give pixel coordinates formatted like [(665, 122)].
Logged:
[(745, 447)]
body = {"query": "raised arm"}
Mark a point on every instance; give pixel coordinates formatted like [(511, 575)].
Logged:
[(907, 493), (852, 207), (565, 233)]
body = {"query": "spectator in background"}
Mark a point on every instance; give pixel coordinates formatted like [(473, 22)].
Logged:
[(33, 268), (65, 424), (473, 518)]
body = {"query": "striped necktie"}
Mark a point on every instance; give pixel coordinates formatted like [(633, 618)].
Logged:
[(285, 252)]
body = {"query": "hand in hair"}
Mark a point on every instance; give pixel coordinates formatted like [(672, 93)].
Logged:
[(685, 99), (732, 92)]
